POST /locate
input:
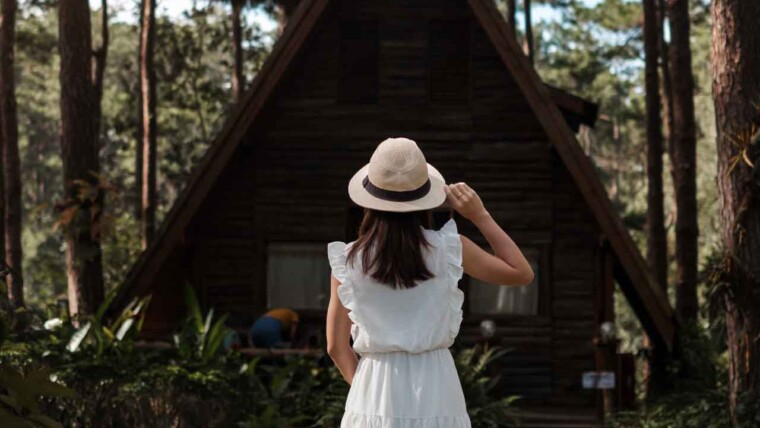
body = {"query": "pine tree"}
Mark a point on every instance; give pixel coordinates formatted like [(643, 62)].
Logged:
[(736, 94)]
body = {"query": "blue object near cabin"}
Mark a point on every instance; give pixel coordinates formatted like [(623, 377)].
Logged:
[(266, 332)]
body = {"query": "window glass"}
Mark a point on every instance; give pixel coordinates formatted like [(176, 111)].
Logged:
[(298, 275), (489, 299)]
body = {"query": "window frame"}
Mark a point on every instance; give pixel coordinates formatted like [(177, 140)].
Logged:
[(544, 294), (300, 310)]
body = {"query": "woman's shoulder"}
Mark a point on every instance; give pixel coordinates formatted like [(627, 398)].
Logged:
[(447, 236), (337, 255)]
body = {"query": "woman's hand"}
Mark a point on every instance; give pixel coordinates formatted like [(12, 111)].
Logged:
[(508, 265), (465, 201)]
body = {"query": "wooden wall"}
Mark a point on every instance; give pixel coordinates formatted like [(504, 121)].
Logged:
[(438, 81)]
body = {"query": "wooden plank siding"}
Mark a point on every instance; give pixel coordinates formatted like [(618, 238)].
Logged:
[(347, 74), (287, 180)]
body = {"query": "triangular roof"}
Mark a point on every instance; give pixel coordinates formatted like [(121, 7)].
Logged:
[(646, 297)]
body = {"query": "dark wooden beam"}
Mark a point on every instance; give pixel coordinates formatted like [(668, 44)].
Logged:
[(657, 315)]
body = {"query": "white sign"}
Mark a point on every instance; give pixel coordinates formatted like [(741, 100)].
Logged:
[(599, 380)]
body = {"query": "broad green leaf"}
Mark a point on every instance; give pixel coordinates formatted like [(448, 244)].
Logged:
[(106, 303), (194, 307), (78, 337), (124, 328)]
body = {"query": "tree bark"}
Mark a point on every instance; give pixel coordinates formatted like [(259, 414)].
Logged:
[(667, 80), (528, 43), (683, 153), (238, 79), (657, 247), (511, 16), (736, 93), (657, 250), (99, 64), (79, 152), (285, 9), (148, 121), (11, 161)]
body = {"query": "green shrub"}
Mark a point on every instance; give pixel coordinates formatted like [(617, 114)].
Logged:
[(193, 384), (484, 409)]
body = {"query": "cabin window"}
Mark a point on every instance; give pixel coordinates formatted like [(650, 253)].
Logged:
[(449, 61), (359, 62), (298, 275), (489, 299)]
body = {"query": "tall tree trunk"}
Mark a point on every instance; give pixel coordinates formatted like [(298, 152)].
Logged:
[(528, 43), (736, 93), (148, 121), (11, 161), (657, 247), (79, 152), (667, 80), (99, 64), (238, 80), (683, 154), (512, 16), (285, 9), (4, 296)]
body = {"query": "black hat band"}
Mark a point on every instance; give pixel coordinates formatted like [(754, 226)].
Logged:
[(396, 196)]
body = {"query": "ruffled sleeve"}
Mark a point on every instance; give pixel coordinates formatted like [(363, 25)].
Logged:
[(336, 253), (452, 246)]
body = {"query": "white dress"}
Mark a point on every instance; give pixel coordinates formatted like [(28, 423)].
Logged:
[(406, 376)]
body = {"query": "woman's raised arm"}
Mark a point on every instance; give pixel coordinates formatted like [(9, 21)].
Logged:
[(508, 265)]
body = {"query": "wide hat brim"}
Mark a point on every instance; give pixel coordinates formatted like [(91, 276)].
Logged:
[(433, 199)]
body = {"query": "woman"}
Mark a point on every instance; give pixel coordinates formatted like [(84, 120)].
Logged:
[(394, 290)]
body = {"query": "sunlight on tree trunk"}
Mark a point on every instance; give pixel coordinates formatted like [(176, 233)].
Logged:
[(238, 80), (528, 42), (736, 93), (148, 121), (79, 151), (285, 9), (11, 161)]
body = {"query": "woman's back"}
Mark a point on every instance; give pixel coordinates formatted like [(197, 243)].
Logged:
[(416, 319), (394, 291)]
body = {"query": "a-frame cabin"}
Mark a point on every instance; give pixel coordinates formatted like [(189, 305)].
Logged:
[(250, 229)]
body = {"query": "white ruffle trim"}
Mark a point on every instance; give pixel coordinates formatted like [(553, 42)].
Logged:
[(355, 420), (453, 247), (336, 253)]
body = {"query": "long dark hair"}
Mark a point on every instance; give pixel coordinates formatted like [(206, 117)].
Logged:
[(394, 246)]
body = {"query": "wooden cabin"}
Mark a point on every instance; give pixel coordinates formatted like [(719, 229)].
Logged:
[(250, 230)]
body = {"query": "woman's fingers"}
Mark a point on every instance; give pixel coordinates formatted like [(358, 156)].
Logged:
[(450, 196), (468, 190)]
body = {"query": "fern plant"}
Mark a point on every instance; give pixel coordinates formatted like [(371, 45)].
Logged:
[(484, 409)]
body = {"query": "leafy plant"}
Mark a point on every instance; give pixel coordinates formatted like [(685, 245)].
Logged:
[(689, 409), (484, 409), (19, 392), (200, 337), (95, 330)]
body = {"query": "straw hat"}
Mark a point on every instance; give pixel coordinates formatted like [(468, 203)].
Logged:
[(397, 178)]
